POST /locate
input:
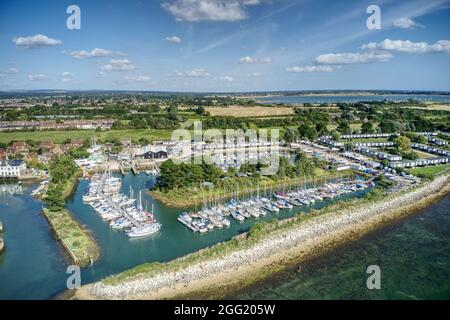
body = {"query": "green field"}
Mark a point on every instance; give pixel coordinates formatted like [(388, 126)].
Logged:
[(60, 136), (432, 170)]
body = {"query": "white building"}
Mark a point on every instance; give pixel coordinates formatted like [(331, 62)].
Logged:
[(11, 168)]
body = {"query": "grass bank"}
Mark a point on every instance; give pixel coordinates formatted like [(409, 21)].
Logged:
[(188, 197), (431, 170), (76, 240)]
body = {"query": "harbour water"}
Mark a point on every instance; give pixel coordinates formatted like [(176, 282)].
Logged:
[(413, 255), (34, 265), (353, 98)]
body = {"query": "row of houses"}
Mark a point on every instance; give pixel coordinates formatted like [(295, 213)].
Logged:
[(379, 135), (56, 125), (419, 162), (430, 149), (369, 135), (378, 154), (145, 152), (330, 142), (374, 144), (437, 141)]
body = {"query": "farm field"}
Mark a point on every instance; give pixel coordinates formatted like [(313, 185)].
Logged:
[(61, 136)]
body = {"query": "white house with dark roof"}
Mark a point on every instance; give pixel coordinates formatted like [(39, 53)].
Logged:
[(11, 168)]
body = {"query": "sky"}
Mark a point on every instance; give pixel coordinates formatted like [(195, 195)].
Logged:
[(225, 45)]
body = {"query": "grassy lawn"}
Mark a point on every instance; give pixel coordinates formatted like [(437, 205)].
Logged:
[(60, 136), (431, 170)]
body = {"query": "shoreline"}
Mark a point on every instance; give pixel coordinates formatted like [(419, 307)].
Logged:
[(244, 266), (78, 235)]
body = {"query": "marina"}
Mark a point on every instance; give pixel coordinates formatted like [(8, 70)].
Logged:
[(218, 216), (21, 215), (122, 212)]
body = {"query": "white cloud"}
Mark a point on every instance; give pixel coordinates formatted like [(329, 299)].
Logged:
[(173, 39), (37, 77), (353, 58), (67, 76), (209, 10), (406, 23), (95, 53), (195, 73), (37, 41), (138, 78), (118, 65), (227, 79), (11, 70), (442, 46), (249, 59), (309, 69)]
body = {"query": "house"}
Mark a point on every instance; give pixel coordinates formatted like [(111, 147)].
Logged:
[(11, 168), (45, 157), (46, 144), (20, 146), (76, 142)]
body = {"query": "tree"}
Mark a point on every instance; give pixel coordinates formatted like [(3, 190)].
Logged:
[(367, 127), (289, 135), (200, 110), (343, 127), (402, 144), (306, 131), (335, 135)]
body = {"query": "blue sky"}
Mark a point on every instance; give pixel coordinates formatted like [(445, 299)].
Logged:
[(218, 45)]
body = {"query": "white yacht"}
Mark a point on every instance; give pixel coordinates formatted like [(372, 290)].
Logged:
[(144, 231)]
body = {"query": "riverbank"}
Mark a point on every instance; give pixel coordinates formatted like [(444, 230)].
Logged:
[(184, 198), (77, 241), (215, 271)]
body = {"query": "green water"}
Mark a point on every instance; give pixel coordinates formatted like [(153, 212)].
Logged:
[(413, 256), (34, 266)]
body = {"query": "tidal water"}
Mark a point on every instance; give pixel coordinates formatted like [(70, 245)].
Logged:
[(354, 98), (34, 265), (413, 255)]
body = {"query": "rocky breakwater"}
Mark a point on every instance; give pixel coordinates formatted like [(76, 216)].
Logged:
[(278, 246)]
